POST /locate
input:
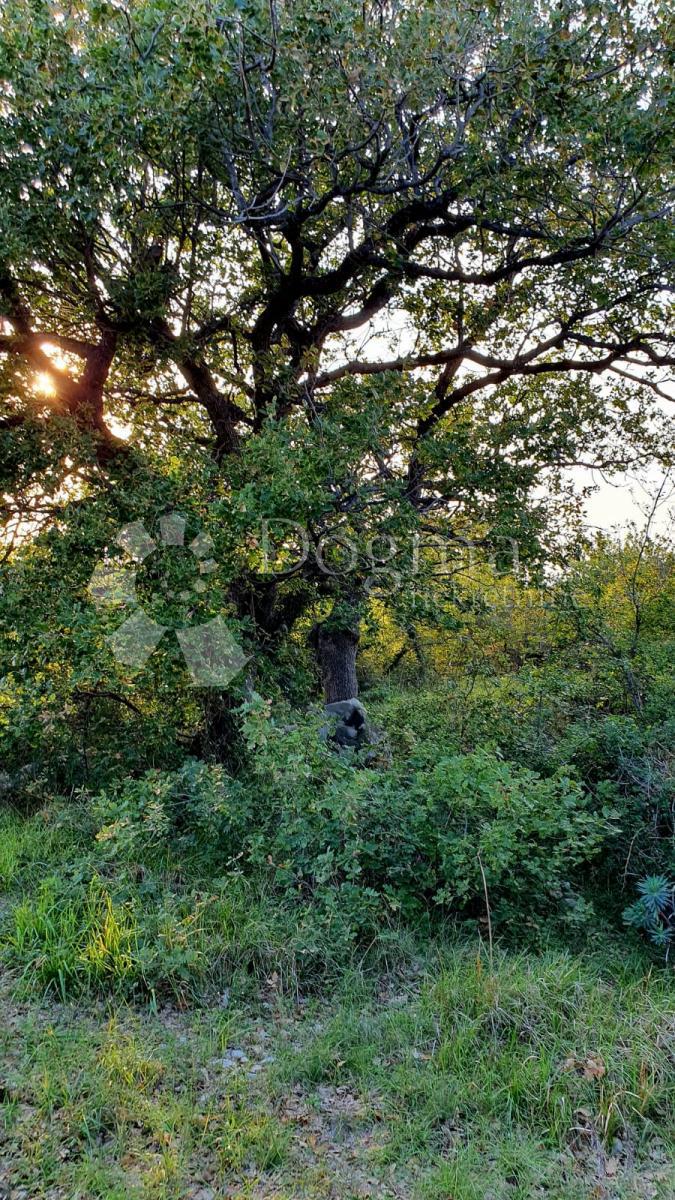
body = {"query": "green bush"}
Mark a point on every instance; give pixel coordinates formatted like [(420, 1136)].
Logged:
[(632, 764), (366, 843), (197, 810), (529, 834)]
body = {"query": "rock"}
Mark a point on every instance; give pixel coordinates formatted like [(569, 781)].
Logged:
[(233, 1058), (351, 712), (349, 727)]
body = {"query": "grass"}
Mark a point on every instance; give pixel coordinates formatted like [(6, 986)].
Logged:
[(38, 842), (503, 1079), (116, 1104), (547, 1075), (76, 924), (165, 1038), (116, 938)]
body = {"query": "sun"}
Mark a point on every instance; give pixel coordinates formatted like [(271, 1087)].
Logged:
[(43, 384)]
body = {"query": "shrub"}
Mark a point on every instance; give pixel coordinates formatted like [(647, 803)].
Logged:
[(529, 834), (633, 764), (196, 810), (369, 842), (654, 911)]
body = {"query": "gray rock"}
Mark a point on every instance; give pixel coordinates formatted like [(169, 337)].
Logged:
[(351, 712), (349, 728), (233, 1058)]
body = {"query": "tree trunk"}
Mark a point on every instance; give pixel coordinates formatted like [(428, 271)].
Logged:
[(220, 736), (336, 653)]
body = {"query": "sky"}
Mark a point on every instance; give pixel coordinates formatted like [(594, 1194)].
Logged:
[(625, 499)]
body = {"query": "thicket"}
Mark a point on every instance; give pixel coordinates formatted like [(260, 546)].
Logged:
[(529, 803)]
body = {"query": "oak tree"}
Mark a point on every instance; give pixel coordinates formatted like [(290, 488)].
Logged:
[(381, 269)]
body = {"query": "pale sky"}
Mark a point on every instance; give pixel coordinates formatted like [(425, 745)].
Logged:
[(625, 498)]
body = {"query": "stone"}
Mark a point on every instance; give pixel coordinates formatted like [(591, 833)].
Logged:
[(349, 729)]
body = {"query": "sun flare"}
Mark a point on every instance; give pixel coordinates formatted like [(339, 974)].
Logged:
[(43, 384)]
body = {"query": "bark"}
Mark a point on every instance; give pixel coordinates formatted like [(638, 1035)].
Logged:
[(220, 736), (336, 650)]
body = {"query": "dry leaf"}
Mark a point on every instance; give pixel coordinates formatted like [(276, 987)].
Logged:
[(594, 1067)]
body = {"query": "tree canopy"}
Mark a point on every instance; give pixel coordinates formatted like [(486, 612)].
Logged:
[(378, 269)]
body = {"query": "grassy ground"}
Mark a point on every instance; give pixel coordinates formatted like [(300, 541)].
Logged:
[(541, 1075), (250, 1066)]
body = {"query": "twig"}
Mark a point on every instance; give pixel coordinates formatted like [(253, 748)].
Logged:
[(488, 913)]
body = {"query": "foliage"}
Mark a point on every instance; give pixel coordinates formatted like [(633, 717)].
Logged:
[(542, 787), (654, 912), (362, 843), (178, 333), (194, 811), (352, 290), (187, 264)]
